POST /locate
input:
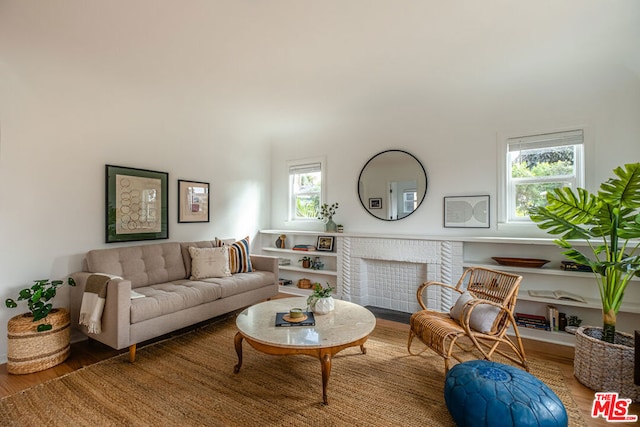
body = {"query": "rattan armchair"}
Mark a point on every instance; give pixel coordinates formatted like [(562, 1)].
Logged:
[(485, 314)]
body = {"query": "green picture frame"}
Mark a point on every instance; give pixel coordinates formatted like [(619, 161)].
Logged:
[(136, 205)]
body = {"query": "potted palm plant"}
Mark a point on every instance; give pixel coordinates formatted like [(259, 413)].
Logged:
[(608, 221), (40, 338)]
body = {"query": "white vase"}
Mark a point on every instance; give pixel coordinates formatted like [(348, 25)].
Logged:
[(324, 305)]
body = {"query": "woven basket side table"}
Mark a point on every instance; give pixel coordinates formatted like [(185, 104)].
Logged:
[(31, 351)]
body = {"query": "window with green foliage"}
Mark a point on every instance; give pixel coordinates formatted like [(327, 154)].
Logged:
[(538, 164), (305, 190)]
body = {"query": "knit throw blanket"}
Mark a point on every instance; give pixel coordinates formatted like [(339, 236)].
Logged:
[(93, 299)]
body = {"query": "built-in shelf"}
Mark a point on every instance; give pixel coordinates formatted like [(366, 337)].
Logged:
[(294, 270), (294, 290), (308, 271), (550, 270), (561, 338), (477, 251), (300, 253)]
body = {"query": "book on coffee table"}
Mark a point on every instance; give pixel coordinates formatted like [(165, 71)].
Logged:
[(282, 319)]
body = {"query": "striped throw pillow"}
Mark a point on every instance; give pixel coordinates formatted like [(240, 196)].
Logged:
[(239, 261)]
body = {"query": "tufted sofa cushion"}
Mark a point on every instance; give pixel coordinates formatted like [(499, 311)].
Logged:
[(171, 297), (143, 265)]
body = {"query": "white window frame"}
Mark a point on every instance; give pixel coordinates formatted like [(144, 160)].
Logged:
[(301, 164), (507, 185), (413, 201)]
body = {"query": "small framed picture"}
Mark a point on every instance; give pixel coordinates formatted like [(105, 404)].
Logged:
[(325, 243), (193, 201), (466, 212), (375, 203)]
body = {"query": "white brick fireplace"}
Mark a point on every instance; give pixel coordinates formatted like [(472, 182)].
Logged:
[(386, 272)]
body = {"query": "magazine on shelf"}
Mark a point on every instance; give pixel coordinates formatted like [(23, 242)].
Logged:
[(556, 295)]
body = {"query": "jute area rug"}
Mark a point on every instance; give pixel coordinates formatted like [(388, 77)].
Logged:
[(188, 380)]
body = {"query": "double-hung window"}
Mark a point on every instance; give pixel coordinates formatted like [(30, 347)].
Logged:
[(305, 189), (537, 164)]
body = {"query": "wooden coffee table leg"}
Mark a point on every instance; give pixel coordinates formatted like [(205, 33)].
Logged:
[(362, 349), (325, 362), (238, 343)]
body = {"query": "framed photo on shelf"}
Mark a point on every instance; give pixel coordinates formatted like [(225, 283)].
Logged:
[(193, 201), (325, 243), (136, 206), (466, 212), (375, 203)]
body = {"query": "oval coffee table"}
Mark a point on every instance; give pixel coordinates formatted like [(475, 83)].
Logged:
[(349, 325)]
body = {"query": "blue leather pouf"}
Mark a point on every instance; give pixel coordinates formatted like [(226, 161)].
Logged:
[(483, 393)]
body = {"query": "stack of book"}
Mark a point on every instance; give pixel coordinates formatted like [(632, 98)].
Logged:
[(532, 321), (574, 266), (554, 318), (304, 248), (285, 282)]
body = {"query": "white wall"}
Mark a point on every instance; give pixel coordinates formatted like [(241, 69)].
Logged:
[(459, 149), (227, 92), (65, 113), (524, 74)]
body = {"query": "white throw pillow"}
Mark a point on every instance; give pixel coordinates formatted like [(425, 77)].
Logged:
[(482, 316), (207, 263)]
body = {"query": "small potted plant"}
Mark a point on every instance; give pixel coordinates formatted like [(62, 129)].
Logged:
[(321, 301), (29, 350), (306, 261)]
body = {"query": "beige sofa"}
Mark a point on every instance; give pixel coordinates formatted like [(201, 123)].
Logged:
[(171, 300)]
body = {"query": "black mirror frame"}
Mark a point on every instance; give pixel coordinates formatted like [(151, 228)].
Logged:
[(426, 184)]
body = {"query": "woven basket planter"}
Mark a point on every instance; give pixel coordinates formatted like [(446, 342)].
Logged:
[(31, 351), (603, 366)]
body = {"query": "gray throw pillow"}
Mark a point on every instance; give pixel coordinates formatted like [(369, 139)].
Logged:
[(482, 317)]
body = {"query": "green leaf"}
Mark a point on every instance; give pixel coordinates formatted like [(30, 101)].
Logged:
[(624, 190), (71, 281), (630, 229), (25, 294), (49, 294), (556, 224), (42, 312), (36, 295), (44, 327), (10, 303)]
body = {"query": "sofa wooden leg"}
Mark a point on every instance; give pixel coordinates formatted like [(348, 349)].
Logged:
[(132, 353)]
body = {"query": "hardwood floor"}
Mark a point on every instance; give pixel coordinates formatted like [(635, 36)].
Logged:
[(85, 353)]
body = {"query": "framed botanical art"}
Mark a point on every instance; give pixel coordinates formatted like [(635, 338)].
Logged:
[(193, 201), (466, 212), (136, 204)]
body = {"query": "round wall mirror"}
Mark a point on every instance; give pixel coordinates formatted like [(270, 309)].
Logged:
[(392, 184)]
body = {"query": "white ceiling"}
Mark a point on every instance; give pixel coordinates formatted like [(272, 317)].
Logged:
[(278, 59)]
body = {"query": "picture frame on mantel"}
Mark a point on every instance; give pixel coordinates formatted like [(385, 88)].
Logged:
[(193, 201), (136, 205), (467, 212)]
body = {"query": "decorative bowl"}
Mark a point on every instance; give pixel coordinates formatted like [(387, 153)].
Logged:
[(521, 262)]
